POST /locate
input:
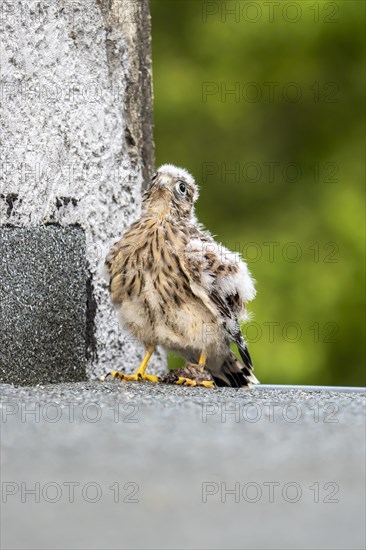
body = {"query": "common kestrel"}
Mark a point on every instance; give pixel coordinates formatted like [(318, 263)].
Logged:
[(176, 287)]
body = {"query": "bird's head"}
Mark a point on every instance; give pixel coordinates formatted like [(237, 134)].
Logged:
[(171, 192)]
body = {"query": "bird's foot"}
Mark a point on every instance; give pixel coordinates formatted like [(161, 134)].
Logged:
[(136, 377), (190, 375), (182, 381)]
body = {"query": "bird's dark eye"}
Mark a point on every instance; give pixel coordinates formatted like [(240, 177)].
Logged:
[(181, 187)]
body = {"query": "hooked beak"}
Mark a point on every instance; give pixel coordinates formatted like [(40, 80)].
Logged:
[(163, 182)]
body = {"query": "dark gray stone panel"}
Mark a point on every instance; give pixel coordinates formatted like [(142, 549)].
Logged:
[(43, 301)]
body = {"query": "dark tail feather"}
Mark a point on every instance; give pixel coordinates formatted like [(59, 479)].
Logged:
[(245, 355), (234, 373)]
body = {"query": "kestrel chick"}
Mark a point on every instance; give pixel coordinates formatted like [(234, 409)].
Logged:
[(174, 286)]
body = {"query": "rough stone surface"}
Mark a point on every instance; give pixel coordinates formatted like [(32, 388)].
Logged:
[(42, 305), (158, 445), (76, 138)]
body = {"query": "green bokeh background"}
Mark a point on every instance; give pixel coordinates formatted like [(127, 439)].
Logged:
[(298, 159)]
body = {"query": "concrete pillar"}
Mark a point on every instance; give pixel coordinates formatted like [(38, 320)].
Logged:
[(76, 145)]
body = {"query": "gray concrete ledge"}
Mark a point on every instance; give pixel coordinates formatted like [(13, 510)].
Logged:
[(193, 467)]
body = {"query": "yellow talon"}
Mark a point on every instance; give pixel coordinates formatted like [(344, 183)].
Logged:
[(140, 375), (149, 377), (207, 384), (189, 382), (186, 381)]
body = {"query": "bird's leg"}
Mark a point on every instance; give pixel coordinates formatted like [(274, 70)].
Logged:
[(198, 382), (202, 361), (140, 374)]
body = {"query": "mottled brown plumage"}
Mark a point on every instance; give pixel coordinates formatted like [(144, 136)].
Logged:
[(174, 286)]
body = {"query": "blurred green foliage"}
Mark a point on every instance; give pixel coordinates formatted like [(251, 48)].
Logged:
[(293, 133)]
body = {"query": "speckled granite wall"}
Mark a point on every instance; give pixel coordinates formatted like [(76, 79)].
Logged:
[(76, 146)]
